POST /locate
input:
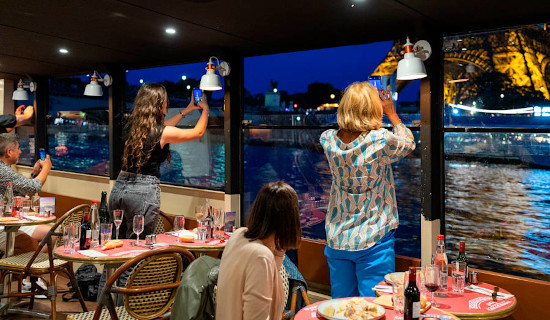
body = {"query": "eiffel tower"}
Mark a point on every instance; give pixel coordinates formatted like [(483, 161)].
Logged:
[(521, 57)]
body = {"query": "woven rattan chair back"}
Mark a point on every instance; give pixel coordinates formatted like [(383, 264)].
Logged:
[(157, 270), (73, 215), (159, 228)]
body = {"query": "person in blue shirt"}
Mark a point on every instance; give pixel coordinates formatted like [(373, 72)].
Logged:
[(362, 211)]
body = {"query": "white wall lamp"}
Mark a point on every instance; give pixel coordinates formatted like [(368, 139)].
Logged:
[(93, 88), (21, 93), (211, 81), (411, 66)]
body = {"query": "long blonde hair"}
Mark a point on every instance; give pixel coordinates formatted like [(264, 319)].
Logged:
[(146, 117), (360, 108)]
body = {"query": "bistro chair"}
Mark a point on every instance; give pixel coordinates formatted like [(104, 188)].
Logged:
[(37, 264), (161, 218), (295, 289), (149, 291)]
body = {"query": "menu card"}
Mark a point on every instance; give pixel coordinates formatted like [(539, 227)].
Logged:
[(230, 221), (47, 204)]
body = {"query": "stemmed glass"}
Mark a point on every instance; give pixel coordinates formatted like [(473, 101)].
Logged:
[(117, 215), (179, 224), (139, 222), (432, 281), (219, 223)]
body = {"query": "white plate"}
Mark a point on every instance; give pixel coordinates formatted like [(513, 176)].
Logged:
[(335, 303), (390, 277)]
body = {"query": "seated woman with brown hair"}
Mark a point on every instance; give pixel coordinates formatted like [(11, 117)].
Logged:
[(249, 284)]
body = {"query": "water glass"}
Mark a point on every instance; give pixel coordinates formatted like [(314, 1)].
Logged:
[(35, 203), (106, 230), (398, 300), (117, 219), (25, 208), (458, 275), (68, 238), (202, 230), (75, 225), (139, 223), (179, 224)]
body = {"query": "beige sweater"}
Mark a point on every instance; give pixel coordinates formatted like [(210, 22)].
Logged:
[(249, 284)]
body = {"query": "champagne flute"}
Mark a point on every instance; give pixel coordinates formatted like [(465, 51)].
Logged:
[(179, 224), (117, 215), (432, 281), (139, 222)]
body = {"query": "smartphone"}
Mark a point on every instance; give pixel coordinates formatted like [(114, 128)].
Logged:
[(42, 154), (23, 110), (375, 81), (197, 94)]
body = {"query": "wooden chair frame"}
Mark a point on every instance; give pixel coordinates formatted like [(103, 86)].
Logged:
[(139, 263), (75, 214)]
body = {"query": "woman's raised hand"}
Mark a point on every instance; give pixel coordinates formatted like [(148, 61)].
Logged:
[(388, 107)]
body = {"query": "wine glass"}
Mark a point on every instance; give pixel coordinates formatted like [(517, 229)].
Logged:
[(199, 212), (139, 222), (179, 224), (432, 281), (117, 215)]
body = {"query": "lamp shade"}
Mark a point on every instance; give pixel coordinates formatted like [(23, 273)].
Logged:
[(20, 94), (93, 89), (410, 68), (210, 81)]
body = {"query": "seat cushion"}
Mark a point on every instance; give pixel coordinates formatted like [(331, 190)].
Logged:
[(120, 311), (21, 260)]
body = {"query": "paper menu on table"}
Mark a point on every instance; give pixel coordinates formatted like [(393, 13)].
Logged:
[(92, 253)]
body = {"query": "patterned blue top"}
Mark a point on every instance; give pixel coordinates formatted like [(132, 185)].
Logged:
[(362, 206)]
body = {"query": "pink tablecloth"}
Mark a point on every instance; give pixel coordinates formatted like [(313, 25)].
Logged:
[(471, 302), (310, 312), (126, 251)]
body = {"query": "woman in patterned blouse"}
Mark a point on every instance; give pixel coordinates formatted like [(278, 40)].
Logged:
[(362, 212)]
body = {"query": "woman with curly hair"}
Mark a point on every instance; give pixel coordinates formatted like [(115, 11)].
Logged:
[(137, 188)]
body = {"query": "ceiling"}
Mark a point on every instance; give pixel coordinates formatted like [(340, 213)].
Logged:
[(131, 34)]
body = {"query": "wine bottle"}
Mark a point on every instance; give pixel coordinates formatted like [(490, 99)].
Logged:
[(85, 231), (103, 210), (8, 201), (462, 255), (411, 305), (443, 263)]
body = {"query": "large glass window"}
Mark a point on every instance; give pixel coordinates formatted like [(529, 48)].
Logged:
[(293, 100), (198, 163), (78, 127), (497, 147)]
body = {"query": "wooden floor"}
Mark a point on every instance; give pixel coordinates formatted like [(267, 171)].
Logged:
[(44, 305)]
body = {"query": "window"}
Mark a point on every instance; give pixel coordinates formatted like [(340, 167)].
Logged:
[(78, 127), (497, 146), (293, 100), (198, 163)]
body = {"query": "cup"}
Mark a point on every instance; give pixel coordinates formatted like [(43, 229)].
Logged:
[(76, 228), (201, 230), (25, 207), (106, 231), (68, 238), (458, 275), (398, 300)]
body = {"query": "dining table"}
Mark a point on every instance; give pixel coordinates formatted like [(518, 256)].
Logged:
[(199, 247), (472, 305), (309, 312)]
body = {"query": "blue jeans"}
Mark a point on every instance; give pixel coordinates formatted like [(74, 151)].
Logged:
[(355, 273), (136, 194)]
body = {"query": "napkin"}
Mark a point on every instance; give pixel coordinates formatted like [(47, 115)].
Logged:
[(34, 218), (92, 253), (381, 288), (438, 316), (488, 292)]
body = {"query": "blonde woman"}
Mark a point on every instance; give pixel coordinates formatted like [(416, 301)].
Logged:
[(362, 212), (137, 189)]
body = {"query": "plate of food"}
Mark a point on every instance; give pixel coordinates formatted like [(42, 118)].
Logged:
[(350, 309), (386, 301), (394, 277)]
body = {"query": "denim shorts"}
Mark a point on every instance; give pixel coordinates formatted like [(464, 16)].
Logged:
[(136, 194)]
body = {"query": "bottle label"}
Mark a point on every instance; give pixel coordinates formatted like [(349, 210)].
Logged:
[(416, 310), (88, 238)]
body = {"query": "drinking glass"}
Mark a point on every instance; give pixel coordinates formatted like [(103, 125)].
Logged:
[(68, 238), (106, 230), (432, 281), (179, 224), (35, 203), (139, 222), (398, 300), (117, 219), (458, 273), (25, 208), (199, 212), (219, 223), (75, 225), (201, 230)]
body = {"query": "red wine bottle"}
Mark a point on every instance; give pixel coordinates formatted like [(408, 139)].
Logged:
[(85, 231), (412, 298)]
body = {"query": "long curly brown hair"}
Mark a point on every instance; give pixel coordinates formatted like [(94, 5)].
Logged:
[(146, 117)]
